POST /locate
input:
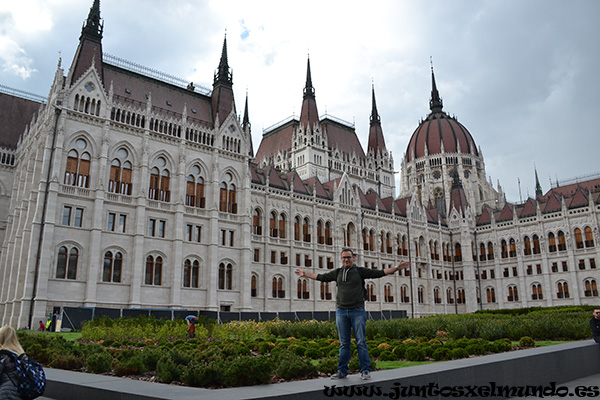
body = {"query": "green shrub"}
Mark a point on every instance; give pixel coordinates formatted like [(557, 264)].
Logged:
[(248, 371), (328, 365), (458, 352), (503, 345), (66, 361), (150, 358), (167, 371), (130, 366), (99, 363), (204, 374), (290, 366), (441, 353), (313, 352), (526, 341), (354, 364), (414, 353)]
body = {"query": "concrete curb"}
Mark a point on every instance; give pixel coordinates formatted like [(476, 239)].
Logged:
[(538, 366)]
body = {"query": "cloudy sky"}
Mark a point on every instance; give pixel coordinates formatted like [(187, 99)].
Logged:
[(522, 76)]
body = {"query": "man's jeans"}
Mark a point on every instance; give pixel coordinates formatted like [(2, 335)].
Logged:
[(355, 318)]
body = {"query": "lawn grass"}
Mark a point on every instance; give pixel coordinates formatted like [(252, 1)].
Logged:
[(70, 336)]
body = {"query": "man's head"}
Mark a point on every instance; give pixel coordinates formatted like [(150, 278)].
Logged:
[(347, 258), (597, 313)]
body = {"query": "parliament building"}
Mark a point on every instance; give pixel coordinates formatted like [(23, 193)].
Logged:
[(127, 188)]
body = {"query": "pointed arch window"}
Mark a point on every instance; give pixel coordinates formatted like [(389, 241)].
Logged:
[(589, 237), (160, 181), (490, 295), (254, 286), (328, 238), (504, 249), (66, 263), (562, 290), (320, 232), (325, 292), (112, 268), (490, 251), (591, 288), (120, 173), (578, 238), (420, 294), (481, 251), (303, 292), (457, 253), (306, 230), (278, 291), (228, 195), (77, 170), (513, 293), (194, 192), (460, 296), (153, 275), (513, 248), (191, 273), (536, 292), (449, 296), (225, 276), (371, 296), (388, 297), (526, 246), (551, 243), (562, 244), (297, 224), (257, 222), (436, 295), (536, 244), (404, 296)]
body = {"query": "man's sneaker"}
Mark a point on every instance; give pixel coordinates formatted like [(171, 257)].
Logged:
[(338, 375), (365, 375)]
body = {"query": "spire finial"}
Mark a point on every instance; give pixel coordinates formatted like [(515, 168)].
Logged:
[(435, 104)]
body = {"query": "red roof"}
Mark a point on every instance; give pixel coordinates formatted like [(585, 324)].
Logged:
[(16, 115), (436, 131)]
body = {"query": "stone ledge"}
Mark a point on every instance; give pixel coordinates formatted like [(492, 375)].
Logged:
[(539, 366)]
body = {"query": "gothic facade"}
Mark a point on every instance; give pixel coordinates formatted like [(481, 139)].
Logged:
[(124, 190)]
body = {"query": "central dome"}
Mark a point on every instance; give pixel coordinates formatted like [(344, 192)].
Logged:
[(439, 133)]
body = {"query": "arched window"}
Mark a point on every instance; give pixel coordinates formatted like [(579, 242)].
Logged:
[(325, 292), (297, 224), (404, 297), (449, 296), (591, 289), (589, 237), (66, 263), (513, 293), (278, 290), (436, 295), (460, 296), (536, 292), (159, 181), (225, 276), (153, 274), (77, 170), (490, 251), (388, 297), (457, 253), (306, 230), (526, 246), (536, 244), (562, 290), (303, 292), (120, 173), (113, 264), (282, 227), (320, 232), (562, 244), (257, 222), (551, 243), (228, 195), (273, 224), (481, 252), (578, 239), (191, 273), (194, 192), (504, 249), (371, 296), (513, 248), (420, 294), (490, 295), (371, 240), (254, 286), (436, 255)]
